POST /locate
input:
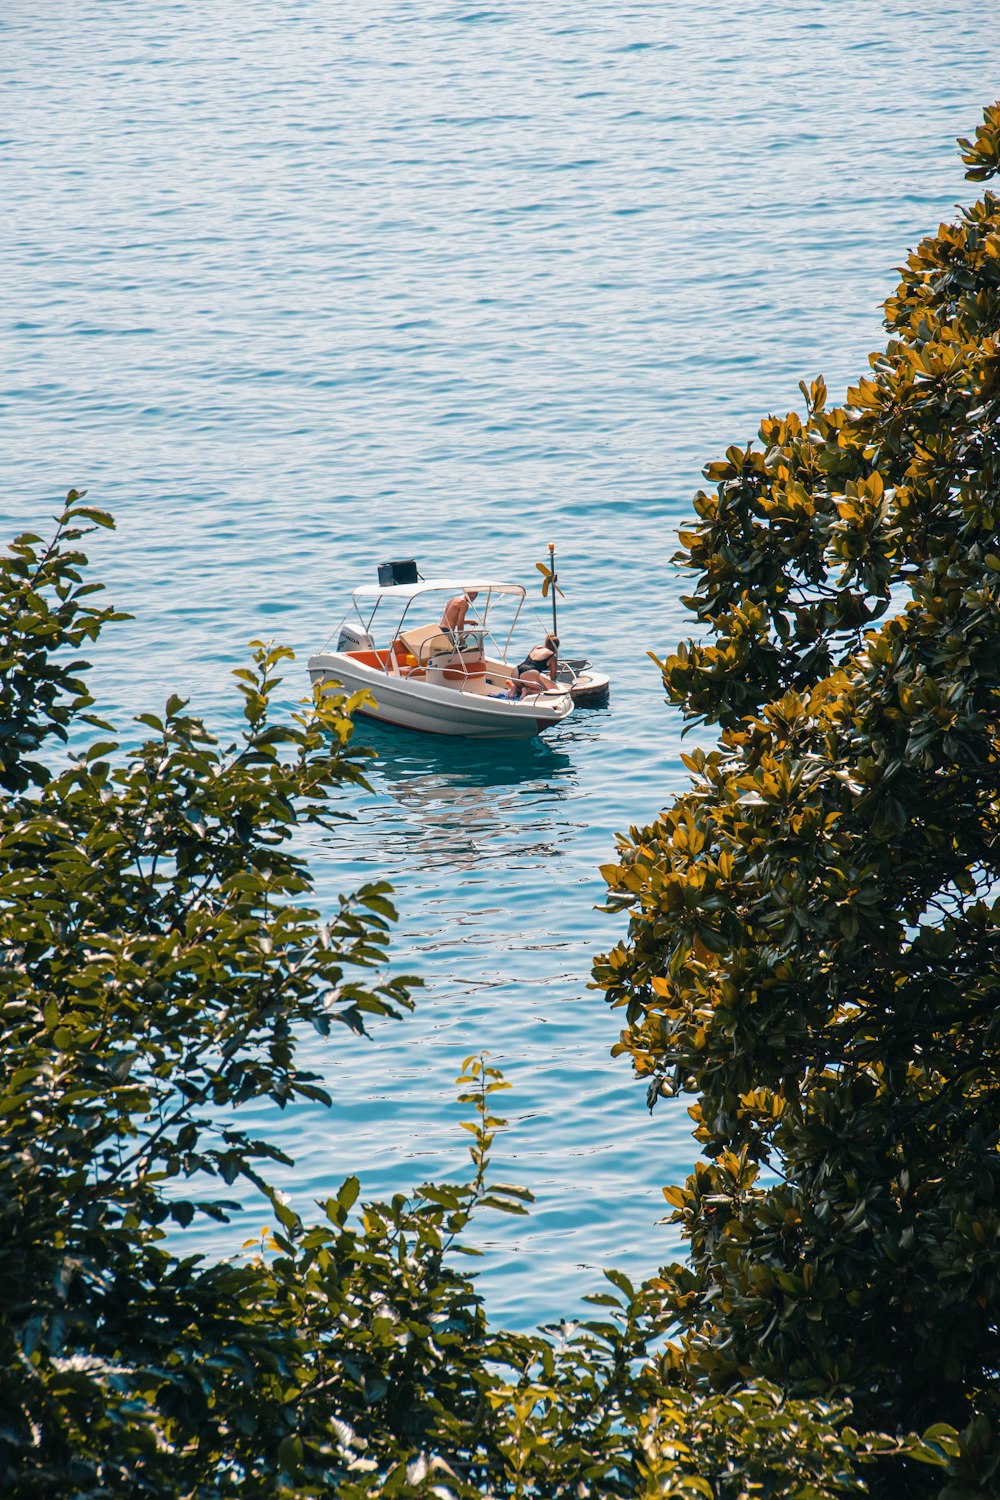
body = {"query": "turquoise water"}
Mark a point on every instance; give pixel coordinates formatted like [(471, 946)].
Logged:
[(296, 287)]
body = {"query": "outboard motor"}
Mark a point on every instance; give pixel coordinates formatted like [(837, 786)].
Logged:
[(353, 638)]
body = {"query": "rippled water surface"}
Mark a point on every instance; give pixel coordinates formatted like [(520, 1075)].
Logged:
[(296, 287)]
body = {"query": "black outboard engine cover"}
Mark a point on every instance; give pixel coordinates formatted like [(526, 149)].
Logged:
[(391, 573)]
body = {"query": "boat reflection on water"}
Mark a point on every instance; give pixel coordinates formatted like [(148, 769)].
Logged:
[(461, 803)]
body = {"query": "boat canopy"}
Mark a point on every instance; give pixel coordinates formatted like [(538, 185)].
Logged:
[(408, 591)]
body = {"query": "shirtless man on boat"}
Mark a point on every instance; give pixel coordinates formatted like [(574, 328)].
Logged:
[(453, 615)]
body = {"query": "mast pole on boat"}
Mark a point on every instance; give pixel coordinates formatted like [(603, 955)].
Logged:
[(552, 578)]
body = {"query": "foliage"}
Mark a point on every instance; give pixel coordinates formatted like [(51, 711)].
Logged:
[(40, 693), (161, 958), (157, 959), (815, 925), (812, 952)]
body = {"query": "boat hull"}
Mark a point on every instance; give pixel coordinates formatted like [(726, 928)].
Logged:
[(437, 708)]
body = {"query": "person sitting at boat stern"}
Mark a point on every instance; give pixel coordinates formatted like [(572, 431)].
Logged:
[(528, 676), (453, 615)]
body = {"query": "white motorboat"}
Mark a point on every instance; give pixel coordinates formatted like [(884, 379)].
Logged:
[(441, 681)]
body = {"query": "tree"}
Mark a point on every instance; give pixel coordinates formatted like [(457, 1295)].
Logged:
[(160, 953), (814, 939), (161, 956)]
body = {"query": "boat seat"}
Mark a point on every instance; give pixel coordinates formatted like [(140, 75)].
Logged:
[(417, 642)]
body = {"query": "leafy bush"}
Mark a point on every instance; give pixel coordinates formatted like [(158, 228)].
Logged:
[(160, 959), (815, 930)]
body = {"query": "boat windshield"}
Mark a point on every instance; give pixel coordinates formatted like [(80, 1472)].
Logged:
[(467, 642)]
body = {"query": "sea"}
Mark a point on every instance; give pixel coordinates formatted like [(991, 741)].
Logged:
[(298, 287)]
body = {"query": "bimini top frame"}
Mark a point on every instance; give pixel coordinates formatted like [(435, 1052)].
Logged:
[(403, 594)]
